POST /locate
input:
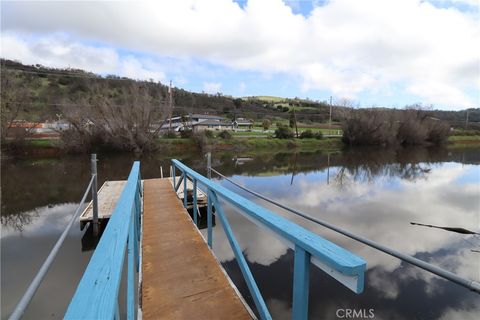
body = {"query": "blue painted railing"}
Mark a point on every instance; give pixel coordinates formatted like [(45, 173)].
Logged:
[(98, 291), (344, 266)]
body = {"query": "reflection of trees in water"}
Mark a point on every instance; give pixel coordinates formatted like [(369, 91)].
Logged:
[(367, 164), (18, 221), (406, 162)]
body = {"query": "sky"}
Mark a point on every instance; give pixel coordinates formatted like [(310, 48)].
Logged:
[(374, 52)]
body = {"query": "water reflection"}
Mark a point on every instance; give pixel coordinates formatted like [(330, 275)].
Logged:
[(40, 221), (373, 193), (378, 202)]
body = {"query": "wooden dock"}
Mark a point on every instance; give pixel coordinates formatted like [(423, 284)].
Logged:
[(110, 192), (108, 196), (201, 196), (181, 278)]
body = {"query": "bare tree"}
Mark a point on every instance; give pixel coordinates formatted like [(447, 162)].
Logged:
[(15, 100), (128, 119), (393, 127)]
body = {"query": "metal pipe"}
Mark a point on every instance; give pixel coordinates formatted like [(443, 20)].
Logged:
[(195, 203), (94, 194), (469, 284), (32, 288)]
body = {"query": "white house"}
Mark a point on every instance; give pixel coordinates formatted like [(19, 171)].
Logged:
[(197, 122), (242, 123)]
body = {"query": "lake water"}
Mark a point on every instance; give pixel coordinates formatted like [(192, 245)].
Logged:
[(374, 193)]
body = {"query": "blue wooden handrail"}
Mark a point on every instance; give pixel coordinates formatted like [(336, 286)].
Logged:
[(96, 296), (341, 264)]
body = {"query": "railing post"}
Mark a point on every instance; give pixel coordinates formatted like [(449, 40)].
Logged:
[(136, 219), (185, 191), (209, 165), (209, 218), (130, 269), (94, 194), (173, 175), (195, 213), (301, 275), (242, 262)]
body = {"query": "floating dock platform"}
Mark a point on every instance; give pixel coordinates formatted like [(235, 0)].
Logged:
[(110, 192)]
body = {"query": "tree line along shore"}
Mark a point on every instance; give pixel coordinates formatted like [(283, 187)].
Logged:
[(126, 115)]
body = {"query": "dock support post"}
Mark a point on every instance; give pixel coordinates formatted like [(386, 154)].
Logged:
[(195, 213), (209, 165), (301, 275), (94, 194)]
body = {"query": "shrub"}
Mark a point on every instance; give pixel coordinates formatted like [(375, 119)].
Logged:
[(438, 132), (318, 135), (225, 135), (393, 127), (285, 109), (199, 139), (208, 134), (266, 124), (307, 134), (283, 133)]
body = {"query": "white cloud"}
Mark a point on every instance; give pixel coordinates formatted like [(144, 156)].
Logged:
[(346, 46), (464, 312), (61, 51), (212, 87)]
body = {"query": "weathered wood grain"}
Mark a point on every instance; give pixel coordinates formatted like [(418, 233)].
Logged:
[(181, 277)]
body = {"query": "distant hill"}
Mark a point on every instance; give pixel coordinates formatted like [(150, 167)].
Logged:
[(41, 94), (266, 98)]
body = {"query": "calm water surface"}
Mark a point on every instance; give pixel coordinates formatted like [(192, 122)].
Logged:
[(373, 193)]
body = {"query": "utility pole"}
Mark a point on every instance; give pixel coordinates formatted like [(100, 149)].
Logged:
[(295, 119), (330, 121), (170, 106), (466, 120)]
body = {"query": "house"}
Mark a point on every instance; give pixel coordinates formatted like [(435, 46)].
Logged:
[(196, 118), (45, 128), (212, 125), (175, 123), (197, 122), (242, 123)]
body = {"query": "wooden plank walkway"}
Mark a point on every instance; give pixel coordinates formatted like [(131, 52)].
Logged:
[(181, 279), (108, 196)]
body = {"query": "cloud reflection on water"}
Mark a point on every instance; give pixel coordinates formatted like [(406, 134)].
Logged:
[(379, 208), (45, 220)]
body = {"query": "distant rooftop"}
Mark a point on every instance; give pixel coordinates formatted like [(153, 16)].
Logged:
[(212, 122), (206, 116)]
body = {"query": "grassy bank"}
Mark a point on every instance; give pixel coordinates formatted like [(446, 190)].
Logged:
[(455, 139), (252, 143), (236, 143), (460, 141)]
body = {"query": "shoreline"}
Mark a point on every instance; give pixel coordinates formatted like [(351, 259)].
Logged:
[(50, 148)]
